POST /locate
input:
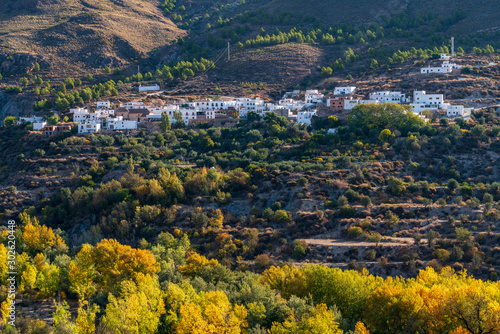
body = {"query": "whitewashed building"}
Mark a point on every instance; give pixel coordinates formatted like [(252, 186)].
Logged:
[(208, 104), (291, 104), (33, 119), (344, 90), (313, 97), (423, 101), (89, 127), (135, 105), (118, 123), (103, 105), (37, 126), (149, 88), (291, 94), (388, 96), (305, 117), (454, 111), (447, 64), (350, 104), (438, 70), (446, 67), (82, 115), (444, 56)]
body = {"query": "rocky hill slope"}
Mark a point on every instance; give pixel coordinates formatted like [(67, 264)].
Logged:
[(89, 33)]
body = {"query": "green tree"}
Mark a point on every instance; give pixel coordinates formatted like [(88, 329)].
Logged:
[(52, 120), (179, 122), (9, 120), (25, 82), (395, 186), (36, 67), (169, 77), (165, 122), (38, 80), (366, 201), (374, 64), (326, 72)]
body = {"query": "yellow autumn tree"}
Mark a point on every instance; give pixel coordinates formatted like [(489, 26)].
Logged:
[(213, 314), (216, 220), (320, 321), (360, 328), (137, 309), (28, 278), (289, 280), (38, 237), (85, 320), (195, 263), (81, 273), (114, 262), (3, 263)]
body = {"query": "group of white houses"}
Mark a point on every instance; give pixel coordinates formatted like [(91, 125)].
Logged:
[(128, 115), (446, 66)]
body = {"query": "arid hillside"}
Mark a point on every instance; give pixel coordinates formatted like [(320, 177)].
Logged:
[(81, 32), (480, 14)]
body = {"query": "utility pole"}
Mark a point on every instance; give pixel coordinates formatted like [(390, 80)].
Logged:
[(228, 51), (453, 47)]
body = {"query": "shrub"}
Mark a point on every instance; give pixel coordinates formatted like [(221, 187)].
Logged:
[(442, 254), (346, 211), (299, 249), (354, 232)]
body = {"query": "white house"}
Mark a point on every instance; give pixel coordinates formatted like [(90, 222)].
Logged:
[(208, 104), (447, 64), (439, 70), (387, 96), (349, 104), (305, 117), (103, 105), (37, 126), (135, 105), (118, 123), (82, 115), (444, 56), (89, 127), (291, 94), (313, 97), (149, 88), (423, 101), (344, 90), (331, 131), (78, 111), (33, 119), (250, 104), (458, 111), (446, 67), (291, 104)]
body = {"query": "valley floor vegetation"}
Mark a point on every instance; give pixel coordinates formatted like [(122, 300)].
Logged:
[(208, 230)]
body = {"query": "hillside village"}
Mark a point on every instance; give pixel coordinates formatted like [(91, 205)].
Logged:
[(226, 111)]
